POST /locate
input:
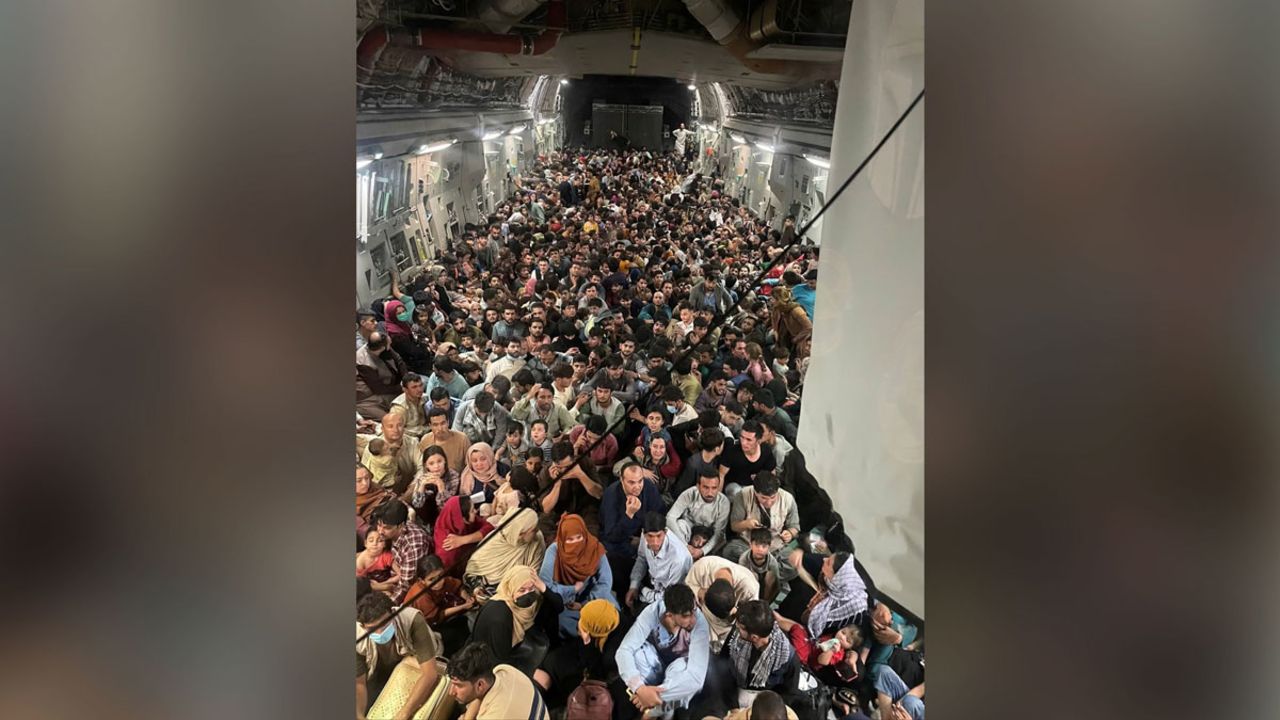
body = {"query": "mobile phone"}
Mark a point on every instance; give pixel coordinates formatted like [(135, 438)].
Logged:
[(477, 497)]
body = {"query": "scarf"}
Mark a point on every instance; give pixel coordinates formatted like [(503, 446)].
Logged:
[(394, 326), (845, 597), (508, 591), (451, 522), (578, 561), (774, 655), (597, 619), (503, 548), (470, 478), (367, 502)]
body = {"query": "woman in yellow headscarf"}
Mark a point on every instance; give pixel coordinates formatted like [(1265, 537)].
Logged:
[(518, 542), (601, 629), (507, 617)]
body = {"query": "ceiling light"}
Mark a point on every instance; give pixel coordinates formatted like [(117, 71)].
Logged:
[(564, 81), (693, 87), (377, 155), (492, 135), (433, 147), (738, 138), (765, 147), (362, 163), (824, 164), (516, 130)]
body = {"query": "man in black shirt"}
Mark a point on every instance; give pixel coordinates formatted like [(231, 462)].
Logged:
[(740, 463)]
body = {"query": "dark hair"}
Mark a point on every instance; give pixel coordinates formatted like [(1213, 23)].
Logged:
[(563, 449), (710, 438), (715, 375), (435, 411), (671, 393), (708, 471), (595, 424), (363, 587), (738, 364), (373, 607), (709, 420), (430, 564), (838, 560), (535, 453), (484, 401), (434, 450), (752, 426), (720, 598), (473, 662), (765, 483), (393, 512), (362, 314), (704, 531), (678, 599), (654, 522), (683, 366), (539, 421), (613, 361), (444, 365), (523, 376), (515, 427), (765, 398), (756, 617), (502, 384), (561, 370), (464, 504), (523, 480), (439, 392), (761, 536), (768, 705)]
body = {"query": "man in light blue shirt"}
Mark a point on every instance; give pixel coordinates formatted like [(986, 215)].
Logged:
[(445, 374), (663, 658)]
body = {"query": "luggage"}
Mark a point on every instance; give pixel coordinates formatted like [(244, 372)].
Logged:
[(439, 705), (589, 701)]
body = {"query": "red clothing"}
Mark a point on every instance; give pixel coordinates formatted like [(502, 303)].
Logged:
[(451, 522), (807, 650), (604, 454), (383, 563)]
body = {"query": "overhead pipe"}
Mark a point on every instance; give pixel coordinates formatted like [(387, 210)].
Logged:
[(500, 15), (376, 40)]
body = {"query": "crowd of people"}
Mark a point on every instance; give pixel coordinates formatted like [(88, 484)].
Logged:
[(577, 488)]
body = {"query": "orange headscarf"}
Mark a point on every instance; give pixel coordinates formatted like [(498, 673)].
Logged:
[(578, 561)]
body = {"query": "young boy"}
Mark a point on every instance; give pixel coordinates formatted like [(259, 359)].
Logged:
[(538, 437), (655, 424), (763, 563), (443, 601), (515, 449)]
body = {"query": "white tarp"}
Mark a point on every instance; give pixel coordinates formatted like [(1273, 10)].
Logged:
[(862, 428)]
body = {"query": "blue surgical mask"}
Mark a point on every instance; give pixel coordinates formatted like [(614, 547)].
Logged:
[(672, 409), (385, 636)]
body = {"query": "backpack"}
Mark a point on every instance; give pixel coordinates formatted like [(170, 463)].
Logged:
[(590, 701)]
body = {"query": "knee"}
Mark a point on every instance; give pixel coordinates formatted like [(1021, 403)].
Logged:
[(795, 557)]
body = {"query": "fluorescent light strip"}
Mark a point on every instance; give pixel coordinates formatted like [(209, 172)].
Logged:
[(824, 164)]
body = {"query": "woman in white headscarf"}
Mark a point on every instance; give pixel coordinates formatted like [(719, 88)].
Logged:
[(517, 542)]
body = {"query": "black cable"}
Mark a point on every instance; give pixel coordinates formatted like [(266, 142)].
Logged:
[(716, 322)]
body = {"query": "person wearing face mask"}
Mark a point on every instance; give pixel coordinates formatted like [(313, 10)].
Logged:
[(521, 603), (517, 542), (396, 668), (379, 370), (674, 402), (576, 568), (399, 319)]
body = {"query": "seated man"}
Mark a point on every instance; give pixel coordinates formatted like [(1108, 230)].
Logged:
[(663, 658), (763, 505), (662, 558), (455, 444), (897, 701), (493, 691), (623, 507), (411, 405), (387, 643), (409, 544), (584, 437), (701, 505), (482, 420), (760, 654), (378, 373), (540, 404), (708, 578), (740, 463), (572, 489), (394, 475), (601, 403)]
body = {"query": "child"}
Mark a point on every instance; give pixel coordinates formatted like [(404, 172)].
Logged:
[(763, 563), (533, 463), (513, 451), (374, 562), (381, 463), (833, 658), (655, 422), (443, 601), (538, 437)]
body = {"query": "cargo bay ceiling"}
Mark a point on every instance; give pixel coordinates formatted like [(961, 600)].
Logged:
[(772, 59)]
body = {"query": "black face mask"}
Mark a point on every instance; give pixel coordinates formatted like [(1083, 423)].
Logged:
[(526, 600)]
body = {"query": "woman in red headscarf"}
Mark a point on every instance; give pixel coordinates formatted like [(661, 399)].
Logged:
[(457, 530), (399, 319)]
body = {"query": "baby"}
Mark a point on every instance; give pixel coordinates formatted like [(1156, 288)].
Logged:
[(382, 463)]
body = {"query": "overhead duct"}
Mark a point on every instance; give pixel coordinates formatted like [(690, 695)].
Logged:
[(500, 15), (377, 38), (730, 31)]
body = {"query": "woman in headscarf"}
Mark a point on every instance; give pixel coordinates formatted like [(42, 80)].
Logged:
[(516, 541), (575, 568), (369, 495), (842, 596), (791, 325), (521, 599), (601, 630), (400, 330), (456, 533), (662, 466), (482, 473)]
